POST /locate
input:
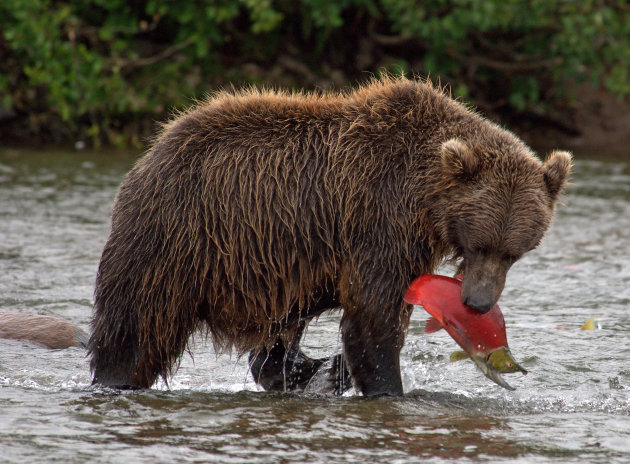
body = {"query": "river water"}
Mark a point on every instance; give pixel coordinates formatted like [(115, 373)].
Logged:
[(573, 407)]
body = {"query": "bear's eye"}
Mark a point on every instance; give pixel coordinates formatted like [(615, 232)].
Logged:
[(477, 250)]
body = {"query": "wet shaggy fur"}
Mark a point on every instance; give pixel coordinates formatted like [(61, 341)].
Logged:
[(254, 205)]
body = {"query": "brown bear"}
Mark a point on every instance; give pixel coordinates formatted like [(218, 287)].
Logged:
[(255, 211)]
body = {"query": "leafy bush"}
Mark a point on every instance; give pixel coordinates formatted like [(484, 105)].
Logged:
[(101, 68)]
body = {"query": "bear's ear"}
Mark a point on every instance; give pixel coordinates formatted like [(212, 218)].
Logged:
[(556, 170), (458, 160)]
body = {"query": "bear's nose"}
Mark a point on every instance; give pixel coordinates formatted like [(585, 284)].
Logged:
[(479, 303)]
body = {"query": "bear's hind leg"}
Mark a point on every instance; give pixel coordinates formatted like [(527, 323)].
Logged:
[(282, 370), (136, 365), (127, 357), (113, 362)]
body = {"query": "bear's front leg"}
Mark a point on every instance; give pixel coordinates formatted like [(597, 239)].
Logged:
[(372, 354)]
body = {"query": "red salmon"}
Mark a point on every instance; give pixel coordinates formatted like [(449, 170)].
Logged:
[(482, 336)]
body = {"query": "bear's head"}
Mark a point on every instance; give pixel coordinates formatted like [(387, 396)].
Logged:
[(500, 204)]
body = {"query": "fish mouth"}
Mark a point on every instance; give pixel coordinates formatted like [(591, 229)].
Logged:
[(499, 361)]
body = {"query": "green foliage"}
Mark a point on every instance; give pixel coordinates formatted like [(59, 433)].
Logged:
[(101, 66), (523, 43)]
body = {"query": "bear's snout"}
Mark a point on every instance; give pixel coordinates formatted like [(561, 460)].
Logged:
[(484, 279), (480, 302)]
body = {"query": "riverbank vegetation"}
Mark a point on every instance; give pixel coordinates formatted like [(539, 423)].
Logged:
[(103, 71)]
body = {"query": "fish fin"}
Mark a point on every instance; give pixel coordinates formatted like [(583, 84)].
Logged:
[(589, 324), (459, 356), (433, 325)]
